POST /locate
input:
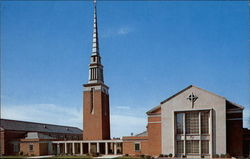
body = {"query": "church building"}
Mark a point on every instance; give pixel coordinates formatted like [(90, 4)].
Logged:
[(193, 123)]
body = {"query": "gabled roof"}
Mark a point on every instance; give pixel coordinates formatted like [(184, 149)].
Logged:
[(235, 104), (16, 125), (155, 108), (37, 135), (144, 133)]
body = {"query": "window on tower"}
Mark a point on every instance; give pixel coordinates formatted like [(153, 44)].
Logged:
[(92, 101)]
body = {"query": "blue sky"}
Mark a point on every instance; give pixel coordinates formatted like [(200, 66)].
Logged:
[(150, 50)]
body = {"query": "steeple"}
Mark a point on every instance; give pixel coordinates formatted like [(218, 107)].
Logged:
[(96, 120), (95, 67), (95, 46)]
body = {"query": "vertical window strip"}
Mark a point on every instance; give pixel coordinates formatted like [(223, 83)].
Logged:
[(92, 100), (204, 122), (180, 147), (205, 147), (192, 146), (94, 73), (192, 123), (179, 123)]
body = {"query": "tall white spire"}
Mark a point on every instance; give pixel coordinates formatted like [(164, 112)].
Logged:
[(95, 46), (95, 67)]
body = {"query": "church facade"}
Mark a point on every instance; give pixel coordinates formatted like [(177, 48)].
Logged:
[(192, 123)]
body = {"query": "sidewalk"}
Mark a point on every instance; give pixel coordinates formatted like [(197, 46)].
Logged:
[(41, 156), (109, 156)]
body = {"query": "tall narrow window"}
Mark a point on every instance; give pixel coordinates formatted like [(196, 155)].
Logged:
[(204, 122), (192, 146), (192, 122), (205, 147), (92, 101), (16, 147), (180, 147), (179, 123), (31, 147)]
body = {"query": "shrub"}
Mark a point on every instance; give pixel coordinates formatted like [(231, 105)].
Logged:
[(126, 155), (165, 155), (228, 155), (216, 156), (222, 156), (184, 156), (161, 155), (170, 155), (142, 156), (21, 153), (95, 154), (147, 157), (202, 156)]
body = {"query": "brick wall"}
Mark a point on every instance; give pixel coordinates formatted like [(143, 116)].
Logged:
[(96, 125), (7, 148), (154, 133), (129, 145), (43, 148), (234, 137), (10, 136), (105, 117), (24, 147), (2, 146), (234, 130)]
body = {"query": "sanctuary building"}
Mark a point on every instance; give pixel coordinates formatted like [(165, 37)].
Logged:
[(191, 123)]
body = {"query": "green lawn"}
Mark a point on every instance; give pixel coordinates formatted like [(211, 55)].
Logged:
[(128, 157), (48, 157), (13, 156)]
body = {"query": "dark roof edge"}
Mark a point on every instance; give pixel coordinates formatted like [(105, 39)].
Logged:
[(188, 88), (41, 123), (237, 105), (153, 109), (185, 90)]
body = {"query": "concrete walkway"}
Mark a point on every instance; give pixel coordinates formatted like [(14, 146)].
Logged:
[(41, 156), (109, 156)]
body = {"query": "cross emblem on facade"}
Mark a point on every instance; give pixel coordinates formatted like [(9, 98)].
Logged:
[(192, 99)]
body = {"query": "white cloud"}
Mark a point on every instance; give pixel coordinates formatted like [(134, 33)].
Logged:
[(45, 113), (121, 31), (125, 125), (123, 107), (121, 124)]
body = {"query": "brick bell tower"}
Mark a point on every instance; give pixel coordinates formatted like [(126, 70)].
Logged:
[(96, 122)]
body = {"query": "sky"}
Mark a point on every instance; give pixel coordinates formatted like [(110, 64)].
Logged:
[(150, 50)]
